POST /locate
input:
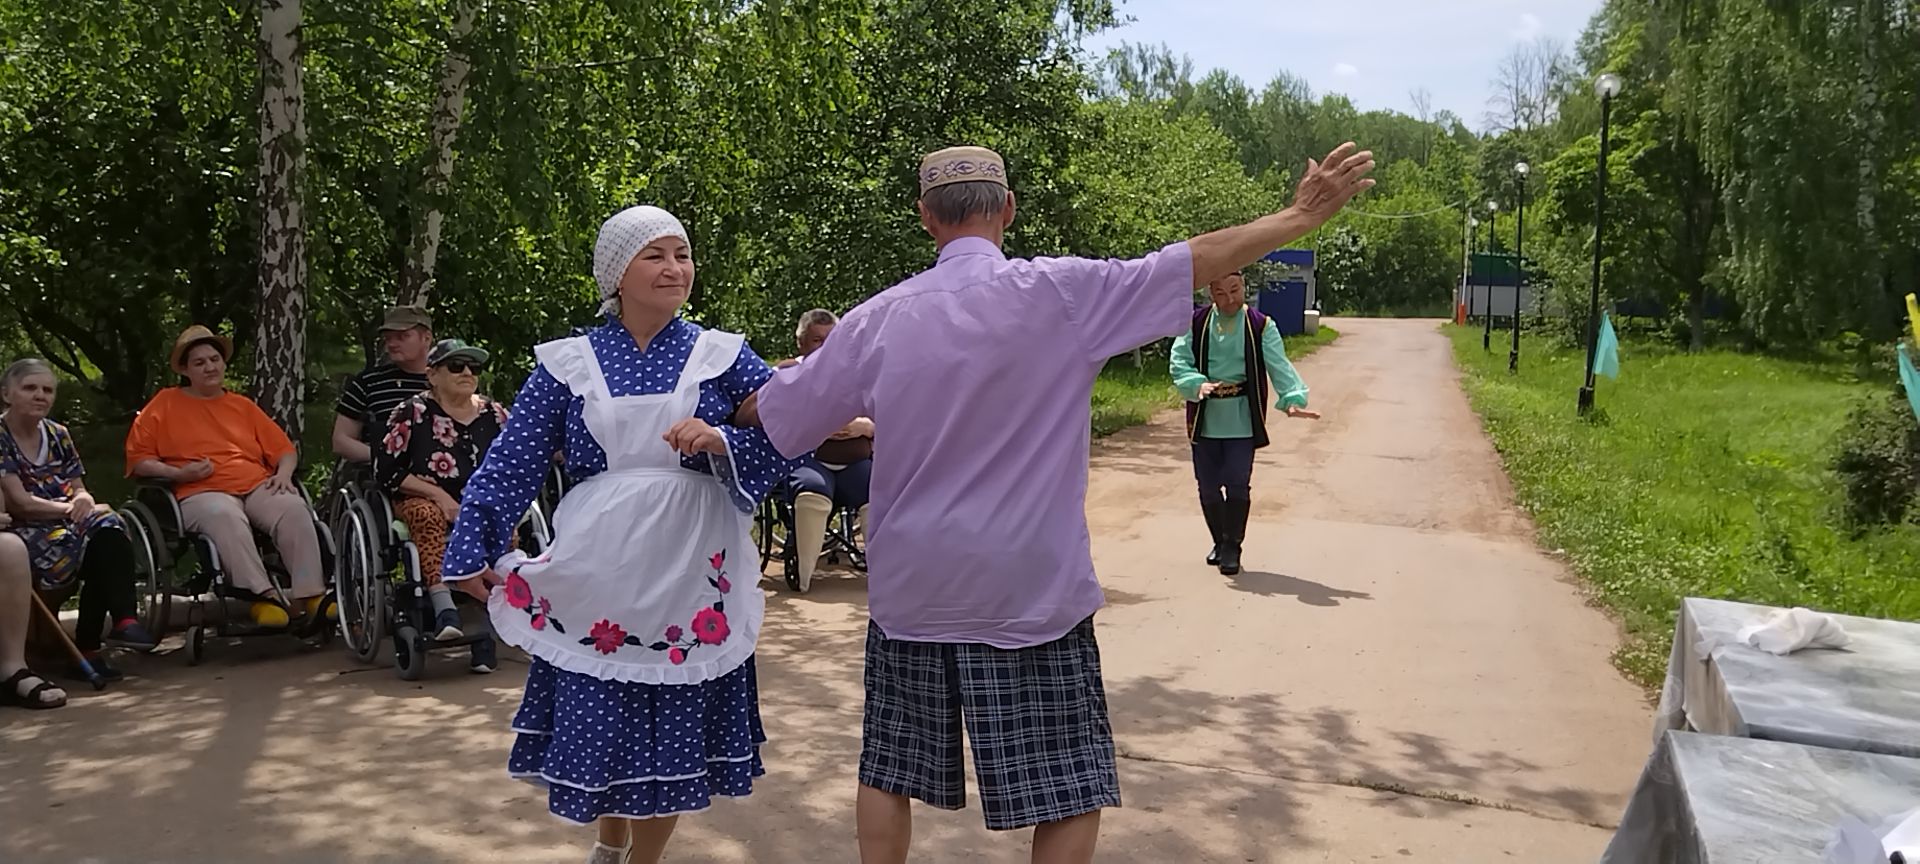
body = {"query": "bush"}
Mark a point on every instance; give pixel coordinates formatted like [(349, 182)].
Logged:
[(1878, 461)]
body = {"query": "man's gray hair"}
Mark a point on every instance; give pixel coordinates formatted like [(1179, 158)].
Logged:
[(814, 318), (955, 203)]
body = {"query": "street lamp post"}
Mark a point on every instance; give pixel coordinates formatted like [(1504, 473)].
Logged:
[(1607, 87), (1473, 240), (1493, 213), (1520, 267)]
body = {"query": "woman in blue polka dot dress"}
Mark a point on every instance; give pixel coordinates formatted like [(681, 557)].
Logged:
[(641, 617)]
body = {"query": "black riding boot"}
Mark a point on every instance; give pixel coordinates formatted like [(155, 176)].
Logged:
[(1211, 509), (1233, 533)]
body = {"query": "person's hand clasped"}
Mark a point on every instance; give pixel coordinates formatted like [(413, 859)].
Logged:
[(480, 586), (694, 435), (80, 507), (193, 472), (1329, 184), (1302, 413)]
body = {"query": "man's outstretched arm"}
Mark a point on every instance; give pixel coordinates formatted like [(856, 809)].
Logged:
[(1326, 188)]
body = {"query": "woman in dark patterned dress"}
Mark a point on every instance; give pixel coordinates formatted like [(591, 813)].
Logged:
[(69, 536)]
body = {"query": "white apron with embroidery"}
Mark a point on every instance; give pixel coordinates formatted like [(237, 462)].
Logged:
[(652, 577)]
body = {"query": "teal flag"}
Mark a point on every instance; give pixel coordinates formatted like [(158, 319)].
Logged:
[(1606, 354), (1911, 378)]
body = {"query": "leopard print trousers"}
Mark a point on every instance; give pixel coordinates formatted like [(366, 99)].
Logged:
[(429, 529)]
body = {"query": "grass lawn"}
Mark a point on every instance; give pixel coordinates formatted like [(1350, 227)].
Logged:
[(1124, 396), (1700, 475)]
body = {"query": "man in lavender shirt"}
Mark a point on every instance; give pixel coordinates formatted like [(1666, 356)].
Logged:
[(982, 591)]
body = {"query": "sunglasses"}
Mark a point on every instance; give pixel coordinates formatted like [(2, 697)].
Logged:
[(458, 367)]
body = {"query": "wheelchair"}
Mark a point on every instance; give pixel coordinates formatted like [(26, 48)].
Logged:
[(773, 530), (382, 592), (172, 562)]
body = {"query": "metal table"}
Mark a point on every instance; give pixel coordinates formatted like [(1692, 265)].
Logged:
[(1713, 799)]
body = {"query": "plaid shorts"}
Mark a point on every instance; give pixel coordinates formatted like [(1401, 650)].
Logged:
[(1036, 717)]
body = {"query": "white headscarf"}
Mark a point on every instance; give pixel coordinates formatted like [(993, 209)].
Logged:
[(621, 238)]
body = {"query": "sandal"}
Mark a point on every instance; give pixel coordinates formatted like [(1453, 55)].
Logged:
[(10, 691)]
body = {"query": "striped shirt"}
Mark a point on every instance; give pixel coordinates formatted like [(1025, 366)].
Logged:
[(371, 396)]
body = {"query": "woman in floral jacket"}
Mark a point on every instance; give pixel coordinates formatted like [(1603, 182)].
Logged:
[(434, 442)]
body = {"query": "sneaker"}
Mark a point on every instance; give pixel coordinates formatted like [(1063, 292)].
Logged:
[(482, 661), (132, 634), (98, 660), (447, 622)]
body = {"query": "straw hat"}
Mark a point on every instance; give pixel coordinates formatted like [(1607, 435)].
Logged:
[(196, 335)]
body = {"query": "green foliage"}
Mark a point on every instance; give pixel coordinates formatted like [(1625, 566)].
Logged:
[(1152, 177), (1878, 460), (1708, 477), (1399, 254), (1756, 162), (785, 133)]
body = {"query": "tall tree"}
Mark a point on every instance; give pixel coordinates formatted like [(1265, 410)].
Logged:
[(449, 101), (1527, 86), (280, 346)]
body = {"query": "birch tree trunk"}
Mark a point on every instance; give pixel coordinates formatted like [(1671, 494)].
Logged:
[(280, 344), (1867, 112), (416, 280)]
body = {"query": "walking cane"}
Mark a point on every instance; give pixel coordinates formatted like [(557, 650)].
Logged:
[(53, 621)]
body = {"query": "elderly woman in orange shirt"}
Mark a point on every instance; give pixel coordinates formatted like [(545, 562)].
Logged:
[(232, 469)]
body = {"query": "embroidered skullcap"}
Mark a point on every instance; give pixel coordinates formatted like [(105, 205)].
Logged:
[(622, 238), (961, 165)]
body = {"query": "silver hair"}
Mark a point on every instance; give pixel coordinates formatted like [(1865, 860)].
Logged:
[(20, 369), (955, 203), (813, 318)]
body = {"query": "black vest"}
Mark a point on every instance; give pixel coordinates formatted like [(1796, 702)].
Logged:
[(1256, 354)]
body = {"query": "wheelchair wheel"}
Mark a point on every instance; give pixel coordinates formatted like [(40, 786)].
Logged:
[(362, 588), (196, 644), (540, 526), (151, 585), (409, 653), (768, 533)]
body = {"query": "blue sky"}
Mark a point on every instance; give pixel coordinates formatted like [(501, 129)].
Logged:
[(1375, 52)]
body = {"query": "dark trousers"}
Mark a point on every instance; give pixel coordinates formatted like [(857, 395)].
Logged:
[(1224, 468), (847, 487), (106, 586)]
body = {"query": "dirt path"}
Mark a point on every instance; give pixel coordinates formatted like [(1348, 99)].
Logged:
[(1399, 674)]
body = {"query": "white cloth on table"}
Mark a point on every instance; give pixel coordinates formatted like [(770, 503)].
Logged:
[(1791, 630), (1860, 843)]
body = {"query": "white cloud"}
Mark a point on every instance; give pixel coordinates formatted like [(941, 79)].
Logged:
[(1346, 70), (1530, 27)]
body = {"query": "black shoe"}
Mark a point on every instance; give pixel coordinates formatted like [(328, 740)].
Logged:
[(447, 624), (1233, 533), (481, 658)]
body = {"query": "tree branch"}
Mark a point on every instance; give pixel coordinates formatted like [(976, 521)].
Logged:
[(596, 64)]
